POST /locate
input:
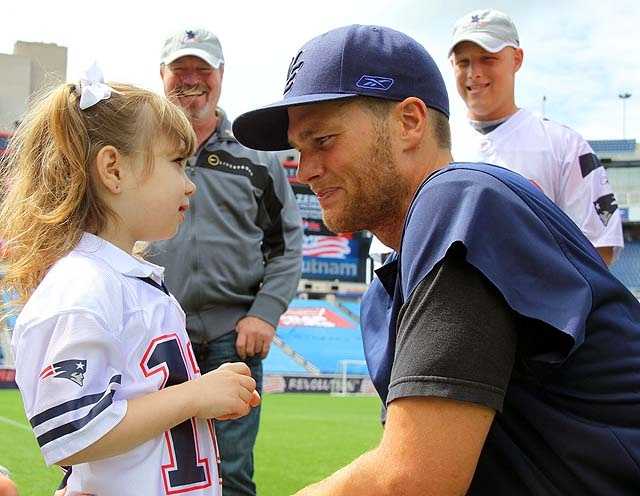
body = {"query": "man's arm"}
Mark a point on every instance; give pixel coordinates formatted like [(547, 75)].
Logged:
[(455, 348), (606, 252), (282, 248), (430, 446), (254, 337), (586, 196)]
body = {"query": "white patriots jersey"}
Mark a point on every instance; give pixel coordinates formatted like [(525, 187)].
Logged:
[(557, 160), (98, 330)]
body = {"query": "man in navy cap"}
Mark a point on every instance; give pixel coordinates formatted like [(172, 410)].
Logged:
[(506, 353)]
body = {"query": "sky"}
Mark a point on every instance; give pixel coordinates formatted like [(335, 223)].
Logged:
[(580, 55)]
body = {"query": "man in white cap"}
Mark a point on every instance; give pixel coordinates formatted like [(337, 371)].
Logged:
[(485, 54), (235, 263)]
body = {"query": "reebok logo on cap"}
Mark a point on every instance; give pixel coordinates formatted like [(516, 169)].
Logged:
[(351, 61), (374, 82)]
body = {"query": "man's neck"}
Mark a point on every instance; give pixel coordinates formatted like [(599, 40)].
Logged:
[(390, 233), (204, 129), (485, 127), (494, 116)]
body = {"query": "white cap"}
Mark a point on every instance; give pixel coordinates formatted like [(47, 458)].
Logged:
[(197, 42), (491, 29)]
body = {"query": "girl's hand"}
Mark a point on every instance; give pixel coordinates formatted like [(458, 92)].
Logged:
[(227, 393)]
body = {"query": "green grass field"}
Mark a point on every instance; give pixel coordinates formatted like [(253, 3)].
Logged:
[(303, 438)]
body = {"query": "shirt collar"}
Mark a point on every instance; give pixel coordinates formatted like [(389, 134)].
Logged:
[(388, 273), (223, 131), (505, 129), (118, 259)]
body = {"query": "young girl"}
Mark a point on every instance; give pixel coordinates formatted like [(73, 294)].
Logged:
[(106, 371)]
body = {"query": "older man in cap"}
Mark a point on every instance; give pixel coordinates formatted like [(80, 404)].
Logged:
[(485, 54), (235, 263), (507, 354)]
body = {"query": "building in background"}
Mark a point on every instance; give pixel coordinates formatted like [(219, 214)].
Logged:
[(30, 68)]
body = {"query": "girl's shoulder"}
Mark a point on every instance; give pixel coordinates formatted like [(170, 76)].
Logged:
[(76, 283)]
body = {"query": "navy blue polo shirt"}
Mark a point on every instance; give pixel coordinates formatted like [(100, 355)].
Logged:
[(570, 422)]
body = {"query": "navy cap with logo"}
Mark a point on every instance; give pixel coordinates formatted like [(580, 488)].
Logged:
[(343, 63)]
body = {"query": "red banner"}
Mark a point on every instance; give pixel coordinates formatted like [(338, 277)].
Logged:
[(313, 317), (7, 378)]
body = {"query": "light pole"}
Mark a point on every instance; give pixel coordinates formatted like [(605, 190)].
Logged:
[(624, 97)]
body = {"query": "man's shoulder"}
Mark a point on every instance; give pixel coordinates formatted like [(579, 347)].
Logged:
[(524, 124), (470, 194), (464, 175), (556, 130), (465, 190), (524, 120), (537, 138)]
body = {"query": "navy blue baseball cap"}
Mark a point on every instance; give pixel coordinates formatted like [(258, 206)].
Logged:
[(343, 63)]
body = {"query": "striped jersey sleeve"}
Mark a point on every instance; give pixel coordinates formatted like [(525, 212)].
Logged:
[(587, 196), (69, 369)]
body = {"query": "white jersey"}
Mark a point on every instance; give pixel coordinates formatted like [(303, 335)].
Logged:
[(98, 330), (557, 160)]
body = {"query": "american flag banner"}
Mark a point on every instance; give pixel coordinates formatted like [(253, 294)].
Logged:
[(326, 247)]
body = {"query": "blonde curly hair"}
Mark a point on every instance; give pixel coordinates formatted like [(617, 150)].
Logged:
[(47, 176)]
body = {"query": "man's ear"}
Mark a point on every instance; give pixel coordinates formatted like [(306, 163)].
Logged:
[(109, 168), (518, 57), (411, 114), (162, 71)]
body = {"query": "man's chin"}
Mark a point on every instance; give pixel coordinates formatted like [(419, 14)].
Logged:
[(341, 223), (198, 112)]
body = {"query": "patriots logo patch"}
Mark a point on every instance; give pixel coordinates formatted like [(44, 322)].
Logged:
[(605, 207), (72, 370)]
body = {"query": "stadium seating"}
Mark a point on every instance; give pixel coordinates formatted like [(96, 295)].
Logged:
[(278, 362), (5, 338), (352, 306), (613, 146), (627, 267), (323, 334), (6, 299)]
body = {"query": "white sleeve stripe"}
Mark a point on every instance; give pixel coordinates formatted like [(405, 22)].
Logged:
[(63, 430)]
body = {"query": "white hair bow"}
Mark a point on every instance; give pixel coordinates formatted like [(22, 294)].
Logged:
[(92, 87)]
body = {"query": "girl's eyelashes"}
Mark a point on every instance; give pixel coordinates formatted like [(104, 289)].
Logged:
[(181, 161)]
